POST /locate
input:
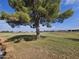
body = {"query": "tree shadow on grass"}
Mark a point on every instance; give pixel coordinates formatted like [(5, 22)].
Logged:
[(18, 38), (73, 39)]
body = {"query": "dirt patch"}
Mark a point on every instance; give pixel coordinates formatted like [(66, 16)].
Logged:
[(34, 53), (8, 48)]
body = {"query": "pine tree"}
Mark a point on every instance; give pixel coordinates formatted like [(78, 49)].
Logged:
[(35, 12)]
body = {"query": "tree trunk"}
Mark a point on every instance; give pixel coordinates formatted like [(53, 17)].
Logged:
[(37, 22), (37, 32)]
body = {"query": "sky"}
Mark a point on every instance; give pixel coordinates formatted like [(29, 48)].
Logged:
[(70, 23)]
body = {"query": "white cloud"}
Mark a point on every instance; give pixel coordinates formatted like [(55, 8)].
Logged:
[(69, 1)]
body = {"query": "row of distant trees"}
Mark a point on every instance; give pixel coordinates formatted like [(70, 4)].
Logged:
[(68, 30), (44, 31)]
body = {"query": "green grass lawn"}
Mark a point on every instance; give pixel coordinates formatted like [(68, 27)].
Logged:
[(51, 45)]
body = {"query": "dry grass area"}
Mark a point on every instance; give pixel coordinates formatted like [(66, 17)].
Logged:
[(52, 45)]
